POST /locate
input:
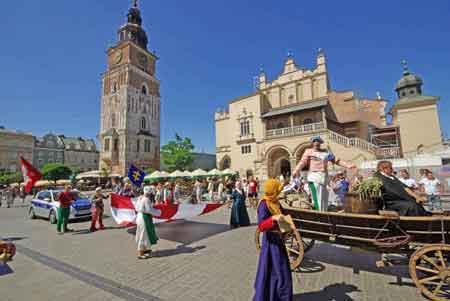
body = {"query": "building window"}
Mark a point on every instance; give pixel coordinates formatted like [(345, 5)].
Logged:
[(245, 128), (280, 125), (246, 149), (144, 90), (114, 87), (147, 145), (143, 123), (308, 121), (116, 145), (106, 146), (138, 146)]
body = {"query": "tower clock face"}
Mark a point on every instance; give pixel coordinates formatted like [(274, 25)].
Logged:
[(143, 60), (118, 57)]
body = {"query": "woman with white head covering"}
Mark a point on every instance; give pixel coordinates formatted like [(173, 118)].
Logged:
[(145, 231)]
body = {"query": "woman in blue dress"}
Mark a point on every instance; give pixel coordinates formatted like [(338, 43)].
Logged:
[(273, 278), (239, 214)]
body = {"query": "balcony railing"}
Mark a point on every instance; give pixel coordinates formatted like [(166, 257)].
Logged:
[(296, 130), (388, 153)]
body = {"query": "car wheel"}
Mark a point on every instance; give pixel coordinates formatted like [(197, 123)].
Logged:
[(52, 217), (31, 213)]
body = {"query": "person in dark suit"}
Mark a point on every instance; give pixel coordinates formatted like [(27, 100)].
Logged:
[(396, 195)]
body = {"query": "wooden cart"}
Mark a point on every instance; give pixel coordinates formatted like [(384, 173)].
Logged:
[(424, 240)]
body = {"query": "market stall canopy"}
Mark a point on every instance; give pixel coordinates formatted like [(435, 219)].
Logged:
[(214, 172), (96, 174), (179, 174), (157, 175), (63, 182), (199, 173), (227, 172), (43, 183)]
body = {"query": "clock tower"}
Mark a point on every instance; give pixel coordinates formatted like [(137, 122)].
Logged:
[(130, 104)]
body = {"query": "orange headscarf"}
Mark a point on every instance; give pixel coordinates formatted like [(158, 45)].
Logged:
[(272, 189)]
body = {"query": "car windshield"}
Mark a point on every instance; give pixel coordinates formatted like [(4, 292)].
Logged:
[(77, 194)]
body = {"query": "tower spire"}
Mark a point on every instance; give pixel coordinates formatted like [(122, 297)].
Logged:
[(135, 3), (405, 67)]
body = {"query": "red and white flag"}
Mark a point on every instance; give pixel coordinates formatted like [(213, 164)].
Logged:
[(124, 212), (30, 174)]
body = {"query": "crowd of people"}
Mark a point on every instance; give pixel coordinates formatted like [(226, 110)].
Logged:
[(10, 194)]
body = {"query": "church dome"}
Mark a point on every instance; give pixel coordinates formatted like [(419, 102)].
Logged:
[(408, 80)]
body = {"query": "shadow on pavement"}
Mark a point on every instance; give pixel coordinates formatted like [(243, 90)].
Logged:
[(14, 238), (358, 260), (332, 292), (5, 269), (186, 232), (309, 266), (182, 249)]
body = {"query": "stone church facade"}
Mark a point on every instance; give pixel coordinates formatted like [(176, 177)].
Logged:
[(130, 104)]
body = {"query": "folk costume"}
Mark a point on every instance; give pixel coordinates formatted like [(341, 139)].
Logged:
[(317, 162), (273, 278), (396, 198), (97, 210), (239, 214), (145, 231), (65, 198)]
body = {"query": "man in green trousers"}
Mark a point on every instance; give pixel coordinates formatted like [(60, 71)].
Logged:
[(65, 199)]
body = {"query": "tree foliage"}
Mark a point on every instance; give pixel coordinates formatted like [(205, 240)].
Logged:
[(149, 170), (9, 178), (177, 154), (56, 171)]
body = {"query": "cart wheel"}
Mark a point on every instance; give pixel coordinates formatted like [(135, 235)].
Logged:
[(429, 268), (294, 246), (308, 244)]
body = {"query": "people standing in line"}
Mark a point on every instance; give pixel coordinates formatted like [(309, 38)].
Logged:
[(433, 188), (239, 215), (407, 180), (316, 159), (145, 230), (97, 209), (65, 198), (273, 278)]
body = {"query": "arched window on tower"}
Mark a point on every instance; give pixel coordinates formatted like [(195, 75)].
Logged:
[(144, 90), (113, 120), (143, 123)]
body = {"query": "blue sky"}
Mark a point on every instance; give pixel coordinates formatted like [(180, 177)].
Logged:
[(53, 53)]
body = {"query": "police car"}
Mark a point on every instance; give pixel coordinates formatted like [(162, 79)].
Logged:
[(46, 202)]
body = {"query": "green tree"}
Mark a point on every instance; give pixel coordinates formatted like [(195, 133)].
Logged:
[(149, 170), (56, 171), (9, 178), (177, 154)]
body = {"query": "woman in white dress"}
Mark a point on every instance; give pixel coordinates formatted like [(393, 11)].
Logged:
[(145, 231)]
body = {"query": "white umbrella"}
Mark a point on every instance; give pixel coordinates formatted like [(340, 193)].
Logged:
[(199, 173), (157, 175), (228, 172), (180, 174), (214, 172), (89, 174)]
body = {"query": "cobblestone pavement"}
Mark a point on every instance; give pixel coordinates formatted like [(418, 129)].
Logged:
[(200, 259)]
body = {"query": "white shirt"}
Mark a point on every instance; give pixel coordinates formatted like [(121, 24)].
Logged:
[(430, 186), (411, 183)]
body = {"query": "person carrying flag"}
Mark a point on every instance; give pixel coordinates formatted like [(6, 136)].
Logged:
[(145, 230), (316, 159)]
